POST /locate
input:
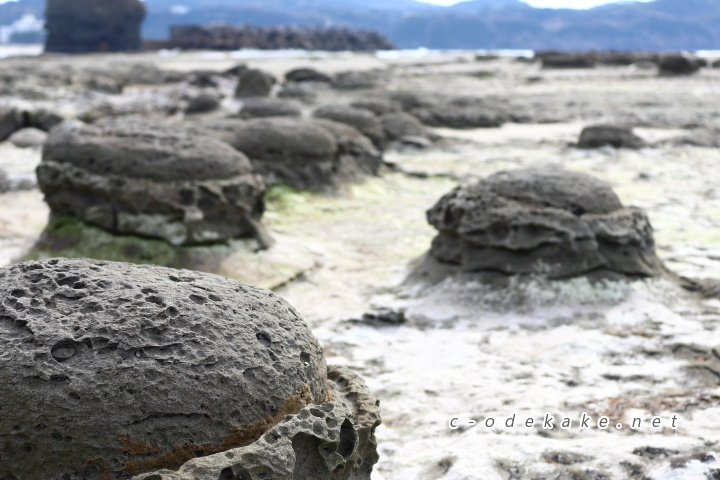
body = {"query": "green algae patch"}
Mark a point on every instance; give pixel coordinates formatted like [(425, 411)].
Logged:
[(239, 259)]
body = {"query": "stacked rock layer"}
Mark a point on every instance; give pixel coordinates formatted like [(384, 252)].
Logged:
[(151, 180), (543, 221)]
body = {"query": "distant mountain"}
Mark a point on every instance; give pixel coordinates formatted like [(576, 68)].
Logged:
[(656, 25)]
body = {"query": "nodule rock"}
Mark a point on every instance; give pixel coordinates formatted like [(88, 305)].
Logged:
[(111, 370), (151, 180), (546, 221)]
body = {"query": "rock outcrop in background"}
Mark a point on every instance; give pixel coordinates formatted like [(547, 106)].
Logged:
[(78, 26), (232, 37)]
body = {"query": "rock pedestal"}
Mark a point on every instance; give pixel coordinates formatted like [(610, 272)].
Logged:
[(151, 180), (545, 221), (78, 26)]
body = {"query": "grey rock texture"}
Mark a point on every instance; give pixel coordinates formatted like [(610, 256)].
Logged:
[(10, 122), (357, 80), (459, 117), (202, 103), (28, 137), (109, 370), (303, 153), (401, 126), (254, 83), (300, 75), (677, 64), (364, 121), (76, 26), (333, 440), (546, 221), (148, 179), (378, 106), (597, 136), (268, 107)]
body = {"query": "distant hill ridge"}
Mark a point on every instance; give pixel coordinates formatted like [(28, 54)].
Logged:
[(656, 25)]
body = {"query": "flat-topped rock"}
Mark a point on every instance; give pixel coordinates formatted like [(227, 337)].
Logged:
[(145, 178), (109, 370), (545, 221)]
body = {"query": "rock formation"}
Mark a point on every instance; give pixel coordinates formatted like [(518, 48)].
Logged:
[(677, 64), (151, 180), (364, 121), (77, 26), (303, 153), (268, 107), (597, 136), (202, 103), (28, 137), (401, 127), (109, 370), (300, 75), (254, 83), (543, 221)]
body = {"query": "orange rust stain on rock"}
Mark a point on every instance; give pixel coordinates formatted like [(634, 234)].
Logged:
[(235, 438), (140, 447), (106, 472)]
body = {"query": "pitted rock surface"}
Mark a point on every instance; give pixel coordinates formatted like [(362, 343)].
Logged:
[(364, 121), (597, 136), (542, 221), (109, 370), (152, 180), (333, 440), (76, 26), (303, 153)]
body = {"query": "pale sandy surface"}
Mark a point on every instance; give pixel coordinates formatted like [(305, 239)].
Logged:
[(624, 351)]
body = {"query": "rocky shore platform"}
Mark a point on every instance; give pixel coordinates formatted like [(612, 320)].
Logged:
[(577, 272)]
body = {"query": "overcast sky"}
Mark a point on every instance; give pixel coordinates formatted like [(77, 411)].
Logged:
[(543, 3)]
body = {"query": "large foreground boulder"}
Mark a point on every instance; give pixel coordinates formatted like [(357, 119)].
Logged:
[(545, 221), (77, 26), (598, 136), (109, 370), (151, 180), (303, 153)]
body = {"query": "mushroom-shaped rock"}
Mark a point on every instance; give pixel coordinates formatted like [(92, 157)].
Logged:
[(109, 370), (364, 121), (254, 83), (303, 153), (300, 75), (268, 107), (544, 221), (597, 136), (151, 180)]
